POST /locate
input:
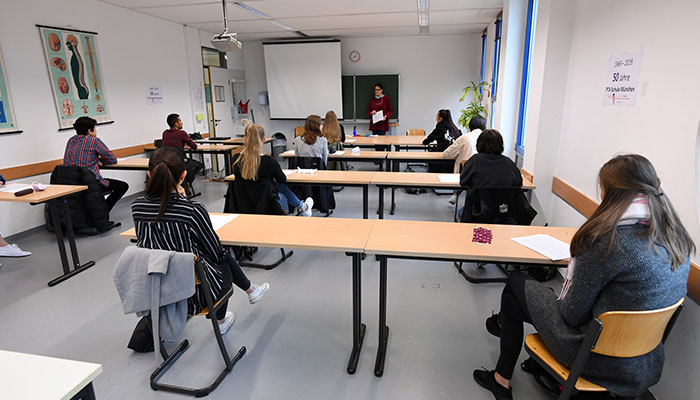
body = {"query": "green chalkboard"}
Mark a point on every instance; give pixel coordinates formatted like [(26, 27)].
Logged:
[(364, 90)]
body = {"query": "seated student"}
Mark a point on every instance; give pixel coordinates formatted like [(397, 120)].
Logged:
[(335, 135), (178, 138), (85, 149), (464, 147), (6, 249), (251, 165), (444, 134), (490, 168), (165, 220), (631, 255), (311, 143)]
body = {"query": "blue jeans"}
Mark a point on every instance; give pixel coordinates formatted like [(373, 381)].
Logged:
[(287, 198)]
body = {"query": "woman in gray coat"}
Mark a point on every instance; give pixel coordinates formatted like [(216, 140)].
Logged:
[(631, 255)]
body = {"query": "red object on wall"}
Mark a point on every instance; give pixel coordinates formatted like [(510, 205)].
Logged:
[(243, 107)]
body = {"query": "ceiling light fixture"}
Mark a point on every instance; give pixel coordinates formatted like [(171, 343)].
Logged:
[(226, 41), (423, 18), (423, 5), (251, 10)]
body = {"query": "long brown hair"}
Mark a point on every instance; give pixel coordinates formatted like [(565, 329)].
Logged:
[(249, 159), (620, 180), (331, 127), (165, 169), (312, 129)]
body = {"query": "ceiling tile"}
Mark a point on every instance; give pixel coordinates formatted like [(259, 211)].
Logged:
[(259, 26), (190, 14), (353, 21), (309, 8), (456, 17), (157, 3)]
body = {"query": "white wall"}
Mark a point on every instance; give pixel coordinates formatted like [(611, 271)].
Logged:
[(575, 134), (433, 70), (135, 50)]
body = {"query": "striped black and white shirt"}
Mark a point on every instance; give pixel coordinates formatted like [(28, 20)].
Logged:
[(184, 227)]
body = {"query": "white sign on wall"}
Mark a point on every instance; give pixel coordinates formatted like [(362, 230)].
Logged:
[(154, 95), (622, 79)]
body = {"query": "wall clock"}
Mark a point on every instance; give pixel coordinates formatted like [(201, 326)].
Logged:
[(355, 56)]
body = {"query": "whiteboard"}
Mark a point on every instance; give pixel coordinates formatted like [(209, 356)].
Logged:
[(303, 78)]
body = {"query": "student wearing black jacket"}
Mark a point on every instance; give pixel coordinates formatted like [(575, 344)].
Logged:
[(445, 131), (490, 168)]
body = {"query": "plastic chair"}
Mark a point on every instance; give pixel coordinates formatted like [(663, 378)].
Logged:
[(614, 334), (415, 132)]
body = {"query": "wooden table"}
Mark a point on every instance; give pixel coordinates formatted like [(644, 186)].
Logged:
[(277, 231), (332, 178), (55, 195), (139, 164), (407, 142), (446, 241), (28, 376), (367, 156), (224, 149), (235, 140)]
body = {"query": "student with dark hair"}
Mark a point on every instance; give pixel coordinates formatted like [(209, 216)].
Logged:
[(445, 132), (490, 168), (176, 137), (631, 255), (85, 149), (311, 143), (250, 165), (464, 147), (165, 220), (379, 102)]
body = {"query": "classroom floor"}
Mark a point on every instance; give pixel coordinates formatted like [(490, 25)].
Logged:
[(298, 336)]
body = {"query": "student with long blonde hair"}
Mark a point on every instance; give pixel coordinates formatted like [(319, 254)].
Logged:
[(250, 164), (335, 135), (311, 143)]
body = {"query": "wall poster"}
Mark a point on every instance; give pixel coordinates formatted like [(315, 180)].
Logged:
[(76, 75), (622, 79), (8, 122)]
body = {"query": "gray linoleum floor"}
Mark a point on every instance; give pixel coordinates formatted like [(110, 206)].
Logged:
[(298, 336)]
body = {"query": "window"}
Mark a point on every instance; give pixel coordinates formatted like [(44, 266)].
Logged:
[(213, 58), (525, 83), (483, 60), (496, 59)]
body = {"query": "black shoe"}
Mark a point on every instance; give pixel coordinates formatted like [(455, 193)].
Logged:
[(486, 379), (493, 324)]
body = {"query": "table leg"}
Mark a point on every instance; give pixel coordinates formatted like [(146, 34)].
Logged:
[(77, 267), (358, 328), (380, 207), (457, 205), (393, 201), (383, 328), (365, 201), (227, 160), (86, 393)]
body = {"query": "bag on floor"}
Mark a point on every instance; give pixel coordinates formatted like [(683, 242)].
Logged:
[(142, 339)]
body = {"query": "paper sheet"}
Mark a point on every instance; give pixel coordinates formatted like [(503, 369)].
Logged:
[(550, 247), (218, 221), (350, 140), (378, 116), (355, 150), (449, 178), (290, 152), (338, 153), (306, 170), (14, 187), (288, 171)]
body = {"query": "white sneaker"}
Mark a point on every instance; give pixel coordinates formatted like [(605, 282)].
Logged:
[(307, 207), (453, 199), (258, 292), (12, 250), (229, 319)]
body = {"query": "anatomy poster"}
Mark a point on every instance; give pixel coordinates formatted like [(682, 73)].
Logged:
[(76, 76), (7, 114)]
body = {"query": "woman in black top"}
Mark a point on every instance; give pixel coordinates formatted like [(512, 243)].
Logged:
[(490, 168), (165, 220), (445, 131), (250, 164)]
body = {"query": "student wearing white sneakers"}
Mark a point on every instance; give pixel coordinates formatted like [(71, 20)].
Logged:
[(10, 250)]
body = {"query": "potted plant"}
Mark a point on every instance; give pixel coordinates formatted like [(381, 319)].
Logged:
[(474, 108)]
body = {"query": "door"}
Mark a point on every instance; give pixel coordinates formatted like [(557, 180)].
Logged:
[(222, 100)]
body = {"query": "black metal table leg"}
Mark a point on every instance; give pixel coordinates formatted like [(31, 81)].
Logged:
[(227, 160), (358, 328), (86, 393), (383, 328), (365, 201), (77, 267), (380, 207)]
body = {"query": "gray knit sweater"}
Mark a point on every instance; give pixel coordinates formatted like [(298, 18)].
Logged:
[(633, 277)]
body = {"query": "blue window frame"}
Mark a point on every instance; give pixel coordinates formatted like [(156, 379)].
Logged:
[(496, 58), (525, 83), (483, 61)]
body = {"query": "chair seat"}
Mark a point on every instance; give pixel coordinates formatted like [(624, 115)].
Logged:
[(205, 310), (535, 344)]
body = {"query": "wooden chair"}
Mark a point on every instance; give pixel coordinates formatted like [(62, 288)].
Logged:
[(614, 334), (298, 131), (415, 132), (170, 358)]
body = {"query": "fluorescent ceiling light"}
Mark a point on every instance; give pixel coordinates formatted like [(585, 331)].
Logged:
[(423, 18), (282, 25), (423, 5), (252, 10)]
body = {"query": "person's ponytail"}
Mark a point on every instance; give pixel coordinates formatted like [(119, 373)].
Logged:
[(165, 168)]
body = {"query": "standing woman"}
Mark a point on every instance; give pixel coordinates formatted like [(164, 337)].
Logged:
[(631, 255), (335, 135), (380, 102)]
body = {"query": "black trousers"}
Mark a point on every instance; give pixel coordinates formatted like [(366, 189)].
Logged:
[(118, 188), (512, 315), (233, 274), (380, 148)]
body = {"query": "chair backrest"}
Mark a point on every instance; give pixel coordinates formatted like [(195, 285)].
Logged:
[(252, 197), (158, 142), (634, 333), (494, 206), (415, 132), (298, 130)]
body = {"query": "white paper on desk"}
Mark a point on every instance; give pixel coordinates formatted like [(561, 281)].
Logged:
[(338, 153), (355, 150), (550, 247), (288, 171), (449, 178), (306, 170), (350, 140), (378, 116), (290, 152), (14, 187), (218, 221)]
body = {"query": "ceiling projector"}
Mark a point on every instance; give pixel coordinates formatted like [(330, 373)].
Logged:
[(226, 42)]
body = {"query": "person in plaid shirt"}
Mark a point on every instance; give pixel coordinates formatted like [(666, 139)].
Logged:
[(86, 150)]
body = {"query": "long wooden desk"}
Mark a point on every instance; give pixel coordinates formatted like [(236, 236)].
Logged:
[(55, 195), (332, 178), (139, 164), (441, 241), (224, 149), (413, 142), (348, 155), (28, 376), (235, 140), (305, 233)]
